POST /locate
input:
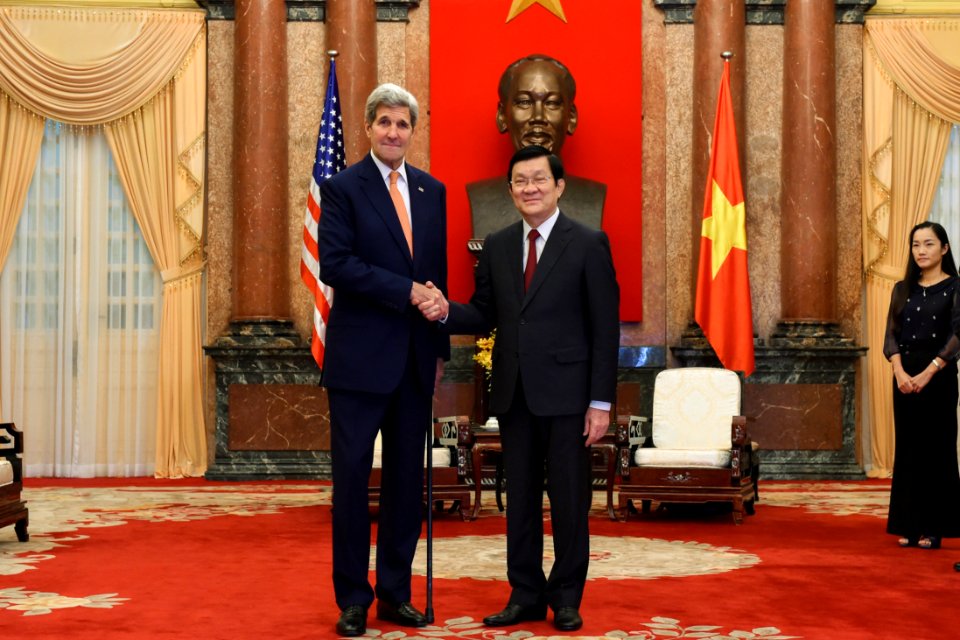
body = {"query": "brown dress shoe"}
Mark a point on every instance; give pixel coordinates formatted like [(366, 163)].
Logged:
[(353, 621)]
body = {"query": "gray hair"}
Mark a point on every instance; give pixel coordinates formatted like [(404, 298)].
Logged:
[(391, 95)]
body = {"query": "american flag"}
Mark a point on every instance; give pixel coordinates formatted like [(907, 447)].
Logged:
[(330, 159)]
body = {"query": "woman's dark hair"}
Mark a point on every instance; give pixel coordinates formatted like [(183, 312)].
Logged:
[(948, 265), (912, 275)]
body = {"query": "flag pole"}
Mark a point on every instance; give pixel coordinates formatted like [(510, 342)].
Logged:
[(428, 612)]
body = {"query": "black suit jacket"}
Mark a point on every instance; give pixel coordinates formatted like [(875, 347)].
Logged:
[(364, 257), (562, 337)]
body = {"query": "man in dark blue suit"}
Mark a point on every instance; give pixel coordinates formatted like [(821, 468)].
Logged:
[(382, 239), (547, 284)]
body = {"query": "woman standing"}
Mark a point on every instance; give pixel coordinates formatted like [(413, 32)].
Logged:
[(922, 343)]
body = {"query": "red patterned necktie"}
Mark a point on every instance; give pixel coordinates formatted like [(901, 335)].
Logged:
[(531, 259)]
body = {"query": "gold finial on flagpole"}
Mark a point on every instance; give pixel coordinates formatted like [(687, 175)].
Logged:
[(333, 53), (726, 55)]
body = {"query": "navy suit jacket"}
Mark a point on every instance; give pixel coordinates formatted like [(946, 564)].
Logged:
[(562, 337), (364, 257)]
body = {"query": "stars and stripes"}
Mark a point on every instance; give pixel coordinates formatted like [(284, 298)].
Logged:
[(330, 159)]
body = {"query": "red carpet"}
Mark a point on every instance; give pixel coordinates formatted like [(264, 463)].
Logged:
[(193, 559)]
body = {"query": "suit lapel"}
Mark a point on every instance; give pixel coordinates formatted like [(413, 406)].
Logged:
[(558, 241), (379, 197), (514, 260), (418, 210)]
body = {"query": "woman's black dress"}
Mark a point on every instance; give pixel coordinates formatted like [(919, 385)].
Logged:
[(925, 496)]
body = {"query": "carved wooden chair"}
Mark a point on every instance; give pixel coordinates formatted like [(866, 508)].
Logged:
[(13, 510), (449, 467), (700, 448)]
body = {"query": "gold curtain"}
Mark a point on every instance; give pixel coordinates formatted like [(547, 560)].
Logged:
[(142, 75), (911, 98), (21, 133)]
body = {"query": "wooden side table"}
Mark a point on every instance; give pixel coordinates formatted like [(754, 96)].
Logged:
[(485, 441), (488, 442)]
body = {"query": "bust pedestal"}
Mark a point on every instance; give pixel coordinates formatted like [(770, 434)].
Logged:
[(492, 208)]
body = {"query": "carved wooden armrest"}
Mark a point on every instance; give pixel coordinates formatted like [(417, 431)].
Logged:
[(631, 433), (11, 448), (741, 450)]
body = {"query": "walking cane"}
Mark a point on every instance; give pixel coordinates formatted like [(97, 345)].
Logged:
[(429, 610)]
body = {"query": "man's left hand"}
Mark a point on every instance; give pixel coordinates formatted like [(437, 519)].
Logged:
[(595, 425)]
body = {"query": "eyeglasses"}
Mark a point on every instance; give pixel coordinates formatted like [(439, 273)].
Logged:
[(539, 182)]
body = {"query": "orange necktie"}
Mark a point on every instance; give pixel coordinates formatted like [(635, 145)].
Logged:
[(401, 209)]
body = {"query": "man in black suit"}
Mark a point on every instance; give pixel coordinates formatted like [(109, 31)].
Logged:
[(382, 239), (553, 382)]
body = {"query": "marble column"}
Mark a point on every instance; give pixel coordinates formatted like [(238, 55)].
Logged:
[(271, 416), (718, 26), (261, 280), (808, 251), (352, 31)]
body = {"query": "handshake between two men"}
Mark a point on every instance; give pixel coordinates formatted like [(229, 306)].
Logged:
[(430, 300)]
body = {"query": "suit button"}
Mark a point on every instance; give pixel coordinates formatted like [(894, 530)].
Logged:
[(522, 321)]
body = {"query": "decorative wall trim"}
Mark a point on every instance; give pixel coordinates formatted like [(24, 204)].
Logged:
[(763, 11), (395, 10), (314, 10), (297, 10)]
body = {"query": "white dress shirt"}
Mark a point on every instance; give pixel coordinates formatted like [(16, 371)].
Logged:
[(402, 183)]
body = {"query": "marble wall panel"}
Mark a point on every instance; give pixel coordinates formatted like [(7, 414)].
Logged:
[(652, 331), (849, 68), (794, 416), (219, 222), (404, 59), (417, 78), (218, 232), (307, 65), (679, 206), (763, 108), (278, 417)]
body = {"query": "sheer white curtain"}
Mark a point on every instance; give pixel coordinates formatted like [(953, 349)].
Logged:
[(80, 302), (946, 204)]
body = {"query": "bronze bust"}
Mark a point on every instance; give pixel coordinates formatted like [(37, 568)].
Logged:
[(536, 106)]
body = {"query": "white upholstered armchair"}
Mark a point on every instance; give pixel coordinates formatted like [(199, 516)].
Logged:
[(700, 448)]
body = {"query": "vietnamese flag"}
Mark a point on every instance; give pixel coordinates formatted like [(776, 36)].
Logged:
[(723, 307)]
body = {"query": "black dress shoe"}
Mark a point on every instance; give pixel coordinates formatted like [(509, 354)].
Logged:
[(353, 621), (567, 619), (514, 613), (403, 614)]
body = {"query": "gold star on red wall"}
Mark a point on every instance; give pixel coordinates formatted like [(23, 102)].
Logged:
[(519, 6)]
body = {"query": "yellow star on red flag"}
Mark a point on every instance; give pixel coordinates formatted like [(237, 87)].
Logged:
[(519, 6), (726, 228)]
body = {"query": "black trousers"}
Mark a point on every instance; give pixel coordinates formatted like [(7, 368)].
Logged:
[(534, 445), (403, 417)]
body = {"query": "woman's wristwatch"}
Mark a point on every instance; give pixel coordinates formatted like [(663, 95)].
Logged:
[(937, 364)]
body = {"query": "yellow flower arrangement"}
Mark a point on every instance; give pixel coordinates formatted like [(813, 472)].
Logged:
[(484, 354)]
